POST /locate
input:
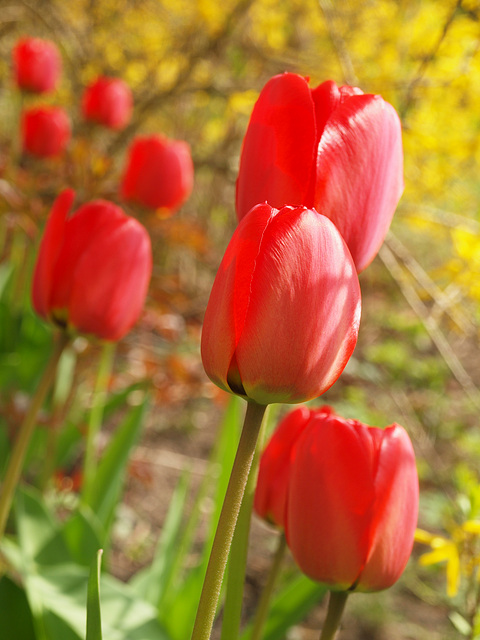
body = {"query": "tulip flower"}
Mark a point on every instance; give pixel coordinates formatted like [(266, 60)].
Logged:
[(37, 65), (283, 315), (352, 503), (331, 148), (274, 469), (159, 173), (109, 102), (93, 268), (45, 131)]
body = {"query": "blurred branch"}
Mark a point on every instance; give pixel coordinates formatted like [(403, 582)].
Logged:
[(426, 61), (208, 46), (440, 300), (438, 338), (425, 443), (329, 14), (449, 218), (60, 28)]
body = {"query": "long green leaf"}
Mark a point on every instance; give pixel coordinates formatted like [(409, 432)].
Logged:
[(153, 581), (15, 616), (110, 475), (83, 535), (290, 607), (94, 618)]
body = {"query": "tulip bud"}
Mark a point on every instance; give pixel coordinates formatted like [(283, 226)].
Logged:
[(283, 315), (159, 173), (93, 268), (45, 131), (109, 102), (352, 503), (332, 148), (37, 65), (274, 468)]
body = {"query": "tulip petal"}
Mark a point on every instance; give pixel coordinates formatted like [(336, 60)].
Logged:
[(278, 152), (83, 229), (50, 249), (159, 173), (303, 311), (360, 173), (395, 511), (274, 469), (229, 299), (110, 281), (329, 501)]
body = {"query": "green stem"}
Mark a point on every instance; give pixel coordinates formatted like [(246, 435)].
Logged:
[(237, 563), (15, 463), (261, 613), (50, 452), (336, 605), (16, 152), (226, 525), (96, 417)]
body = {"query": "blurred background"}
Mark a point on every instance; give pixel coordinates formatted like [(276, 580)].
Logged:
[(195, 68)]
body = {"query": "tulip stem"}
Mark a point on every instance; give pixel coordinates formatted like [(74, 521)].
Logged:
[(336, 605), (226, 525), (17, 457), (237, 562), (261, 613), (96, 418)]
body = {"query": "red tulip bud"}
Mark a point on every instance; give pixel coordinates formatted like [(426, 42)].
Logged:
[(93, 268), (109, 102), (45, 131), (284, 311), (274, 468), (159, 173), (330, 148), (352, 503), (37, 65)]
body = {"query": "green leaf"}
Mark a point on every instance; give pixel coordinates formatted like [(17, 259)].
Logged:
[(64, 377), (6, 271), (460, 624), (94, 618), (83, 535), (57, 595), (15, 616), (180, 601), (289, 607), (39, 534), (110, 474), (153, 581)]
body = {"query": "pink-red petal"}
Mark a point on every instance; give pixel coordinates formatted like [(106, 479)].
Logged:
[(278, 152), (50, 248), (360, 173)]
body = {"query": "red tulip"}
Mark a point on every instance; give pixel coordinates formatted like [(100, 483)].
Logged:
[(93, 268), (284, 311), (274, 468), (159, 173), (108, 101), (332, 148), (45, 131), (37, 65), (352, 503)]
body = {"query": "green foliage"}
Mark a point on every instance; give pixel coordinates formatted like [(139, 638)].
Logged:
[(196, 69), (94, 617)]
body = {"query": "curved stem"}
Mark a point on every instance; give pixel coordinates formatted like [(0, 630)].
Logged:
[(336, 605), (261, 613), (96, 417), (226, 525), (15, 463)]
